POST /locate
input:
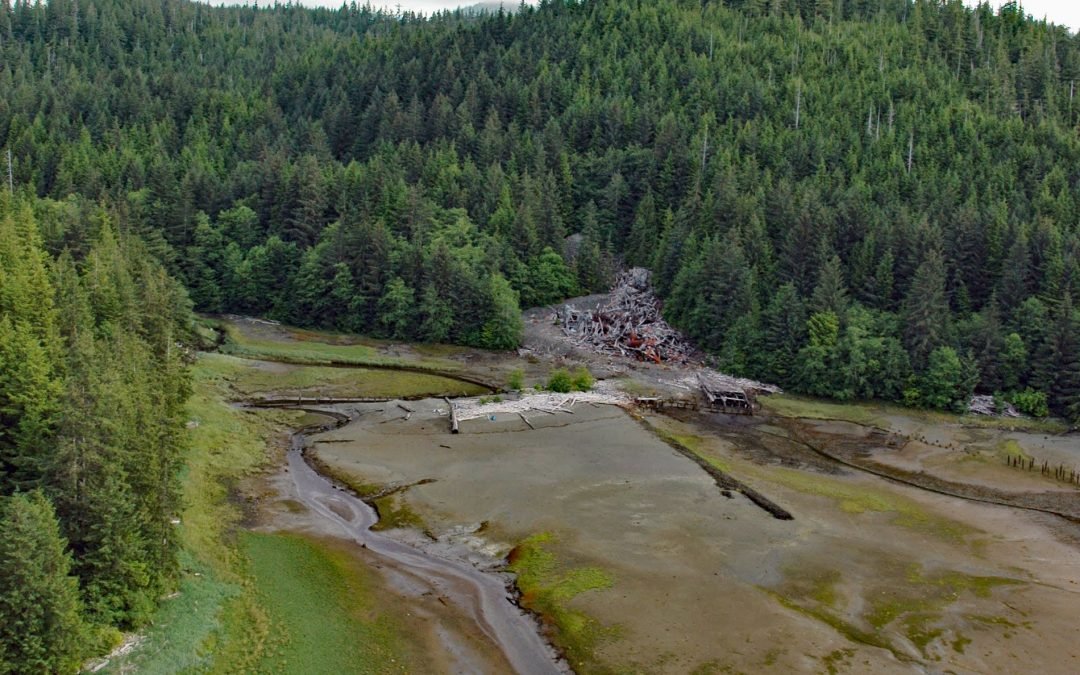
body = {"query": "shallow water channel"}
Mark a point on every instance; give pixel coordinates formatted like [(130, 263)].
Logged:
[(482, 596)]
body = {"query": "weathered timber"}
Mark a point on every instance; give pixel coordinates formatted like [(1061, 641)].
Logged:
[(453, 416), (690, 404), (294, 401), (629, 325)]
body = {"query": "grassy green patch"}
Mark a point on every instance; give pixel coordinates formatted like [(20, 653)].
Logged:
[(1011, 448), (227, 443), (322, 615), (215, 621), (183, 633), (810, 408), (315, 349), (875, 414), (547, 586), (352, 382)]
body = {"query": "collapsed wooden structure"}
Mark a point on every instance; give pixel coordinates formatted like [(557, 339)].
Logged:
[(630, 324), (711, 398), (733, 400)]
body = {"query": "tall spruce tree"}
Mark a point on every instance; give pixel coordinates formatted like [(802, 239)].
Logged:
[(926, 310), (41, 630)]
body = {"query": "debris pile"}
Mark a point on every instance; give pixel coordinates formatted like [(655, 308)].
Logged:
[(988, 405), (629, 324), (719, 382), (545, 402)]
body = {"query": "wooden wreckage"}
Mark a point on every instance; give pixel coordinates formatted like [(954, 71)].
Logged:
[(730, 399), (629, 325)]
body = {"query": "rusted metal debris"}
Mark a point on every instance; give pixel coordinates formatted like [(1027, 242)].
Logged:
[(629, 325)]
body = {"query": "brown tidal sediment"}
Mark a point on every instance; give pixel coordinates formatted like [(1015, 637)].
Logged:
[(482, 596), (723, 480)]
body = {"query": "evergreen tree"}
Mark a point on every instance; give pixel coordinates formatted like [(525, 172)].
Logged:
[(40, 626), (830, 293), (926, 310), (784, 333), (396, 309), (436, 316), (1065, 343), (503, 327)]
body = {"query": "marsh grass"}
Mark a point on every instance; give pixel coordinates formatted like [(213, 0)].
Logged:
[(249, 602), (320, 349), (352, 382), (321, 609), (876, 414)]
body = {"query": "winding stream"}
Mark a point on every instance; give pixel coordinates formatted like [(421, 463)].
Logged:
[(483, 597)]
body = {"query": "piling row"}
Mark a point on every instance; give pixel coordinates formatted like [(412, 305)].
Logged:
[(1060, 472)]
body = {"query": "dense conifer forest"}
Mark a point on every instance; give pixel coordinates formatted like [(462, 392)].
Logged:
[(92, 387), (853, 199)]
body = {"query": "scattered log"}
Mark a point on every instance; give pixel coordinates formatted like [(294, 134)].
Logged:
[(405, 408), (526, 421)]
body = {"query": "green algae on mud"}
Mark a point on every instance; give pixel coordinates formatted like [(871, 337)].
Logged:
[(851, 497), (910, 603), (395, 513), (547, 586), (858, 499)]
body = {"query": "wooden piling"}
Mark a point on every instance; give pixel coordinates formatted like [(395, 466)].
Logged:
[(453, 416)]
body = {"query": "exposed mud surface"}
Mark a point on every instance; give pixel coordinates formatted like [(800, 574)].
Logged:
[(481, 596), (871, 576), (909, 461)]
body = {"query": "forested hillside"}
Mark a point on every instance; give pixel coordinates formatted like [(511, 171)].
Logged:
[(853, 199), (92, 384)]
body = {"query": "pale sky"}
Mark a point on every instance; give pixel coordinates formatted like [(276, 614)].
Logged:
[(1065, 12)]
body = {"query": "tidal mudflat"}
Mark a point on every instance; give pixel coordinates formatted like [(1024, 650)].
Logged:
[(678, 577)]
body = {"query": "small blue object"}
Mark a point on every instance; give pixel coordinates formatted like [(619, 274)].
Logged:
[(492, 418)]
